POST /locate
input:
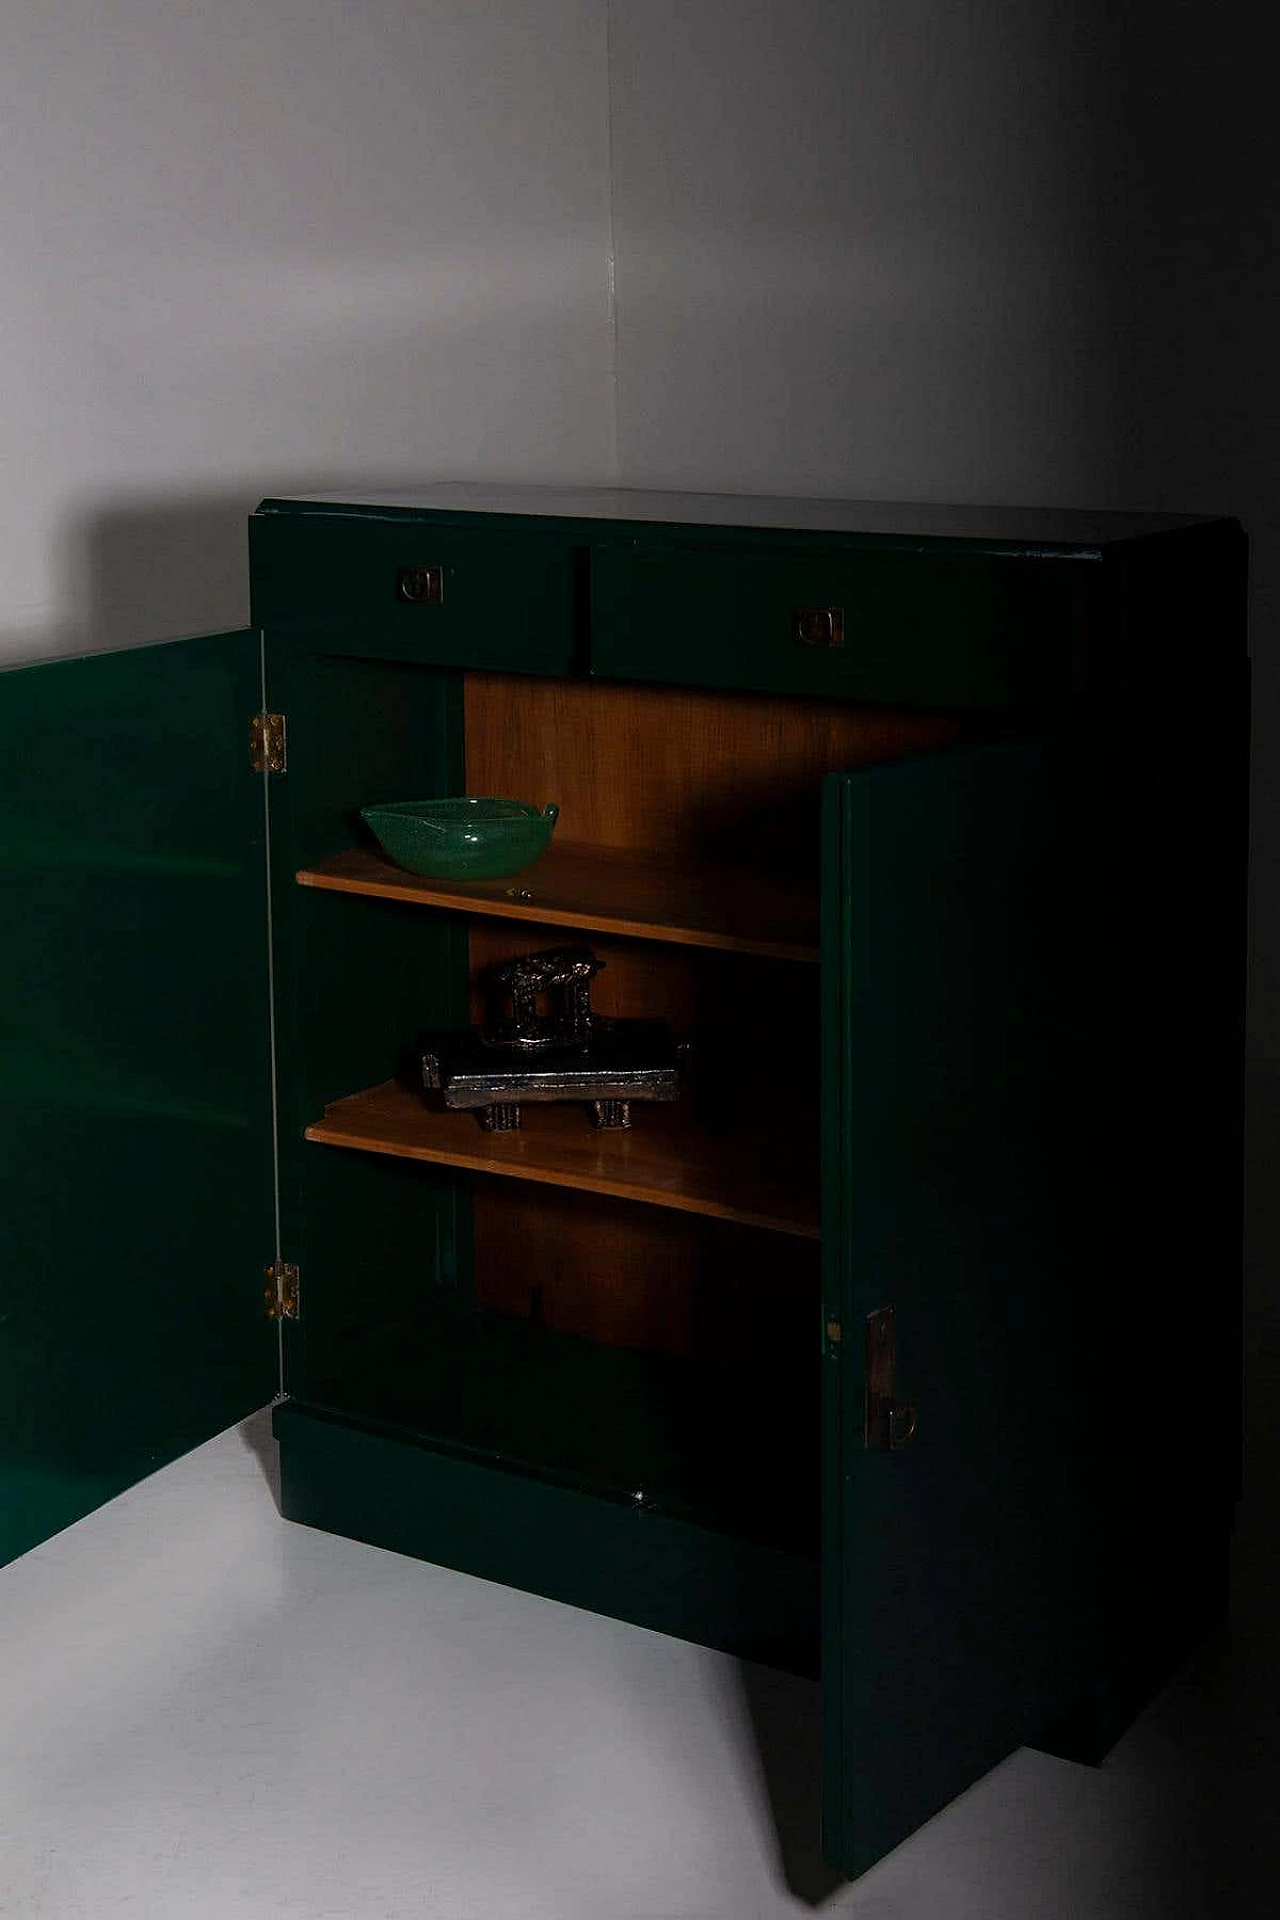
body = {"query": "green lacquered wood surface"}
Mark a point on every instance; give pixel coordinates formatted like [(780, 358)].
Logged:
[(135, 1158), (639, 511), (647, 1566), (1165, 1130), (976, 608), (958, 1590), (510, 600), (934, 629), (734, 1452), (356, 980)]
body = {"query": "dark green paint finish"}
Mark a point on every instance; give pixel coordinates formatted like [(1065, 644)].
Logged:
[(509, 601), (1178, 852), (1165, 1136), (967, 608), (637, 1427), (959, 1597), (137, 1214), (1152, 1625), (931, 629), (649, 1568), (356, 979), (636, 514)]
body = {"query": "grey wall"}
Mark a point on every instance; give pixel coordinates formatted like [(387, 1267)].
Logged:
[(274, 244), (857, 248)]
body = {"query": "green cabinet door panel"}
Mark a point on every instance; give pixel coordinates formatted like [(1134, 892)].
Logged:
[(941, 629), (958, 1600), (497, 600), (357, 978), (136, 1206)]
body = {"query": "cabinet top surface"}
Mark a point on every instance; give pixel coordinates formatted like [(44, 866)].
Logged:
[(908, 520)]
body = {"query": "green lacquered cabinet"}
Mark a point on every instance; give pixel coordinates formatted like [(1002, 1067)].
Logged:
[(903, 1350)]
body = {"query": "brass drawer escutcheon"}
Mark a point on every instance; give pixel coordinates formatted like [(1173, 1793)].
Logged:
[(420, 586), (818, 626)]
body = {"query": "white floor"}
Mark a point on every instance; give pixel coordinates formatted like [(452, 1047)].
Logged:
[(209, 1714)]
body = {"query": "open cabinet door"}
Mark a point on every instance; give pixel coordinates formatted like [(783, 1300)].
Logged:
[(958, 1595), (136, 1190)]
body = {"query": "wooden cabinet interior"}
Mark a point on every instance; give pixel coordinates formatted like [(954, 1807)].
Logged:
[(688, 817), (758, 1177), (691, 1240), (706, 779)]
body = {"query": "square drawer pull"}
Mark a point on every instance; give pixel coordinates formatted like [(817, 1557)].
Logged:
[(422, 586), (818, 626)]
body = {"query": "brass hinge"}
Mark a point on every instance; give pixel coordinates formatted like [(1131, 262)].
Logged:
[(267, 743), (281, 1290)]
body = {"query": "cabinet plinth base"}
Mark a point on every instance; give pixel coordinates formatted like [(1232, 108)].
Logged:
[(740, 1596), (1150, 1636)]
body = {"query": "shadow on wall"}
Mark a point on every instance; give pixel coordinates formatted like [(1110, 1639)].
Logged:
[(145, 570), (152, 570), (141, 570)]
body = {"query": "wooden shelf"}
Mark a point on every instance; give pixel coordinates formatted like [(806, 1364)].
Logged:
[(665, 1159), (603, 890)]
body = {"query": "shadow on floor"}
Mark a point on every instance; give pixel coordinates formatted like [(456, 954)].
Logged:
[(258, 1438), (785, 1714), (1177, 1824)]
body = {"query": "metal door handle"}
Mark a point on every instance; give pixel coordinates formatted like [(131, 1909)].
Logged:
[(889, 1423)]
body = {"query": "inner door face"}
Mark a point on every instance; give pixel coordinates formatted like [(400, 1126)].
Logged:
[(136, 1205)]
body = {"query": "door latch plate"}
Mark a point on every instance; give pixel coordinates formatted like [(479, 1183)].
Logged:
[(889, 1422)]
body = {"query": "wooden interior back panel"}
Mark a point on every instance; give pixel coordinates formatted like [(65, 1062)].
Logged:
[(703, 777), (635, 1276), (709, 776), (628, 1275), (752, 1023)]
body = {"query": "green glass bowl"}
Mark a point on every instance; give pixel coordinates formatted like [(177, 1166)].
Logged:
[(462, 839)]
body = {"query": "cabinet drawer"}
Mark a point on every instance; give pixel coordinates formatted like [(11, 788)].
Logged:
[(995, 631), (449, 596)]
